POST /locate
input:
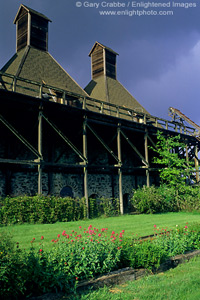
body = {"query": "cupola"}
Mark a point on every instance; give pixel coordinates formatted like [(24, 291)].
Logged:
[(103, 61), (32, 29)]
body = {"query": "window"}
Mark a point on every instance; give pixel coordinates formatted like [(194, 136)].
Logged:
[(66, 192)]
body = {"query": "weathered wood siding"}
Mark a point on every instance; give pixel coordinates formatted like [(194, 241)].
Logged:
[(22, 29), (97, 62)]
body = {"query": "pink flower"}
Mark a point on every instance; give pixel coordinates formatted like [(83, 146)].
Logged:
[(123, 231), (154, 226), (99, 234), (64, 233), (58, 235), (186, 227), (42, 237), (113, 232), (80, 227)]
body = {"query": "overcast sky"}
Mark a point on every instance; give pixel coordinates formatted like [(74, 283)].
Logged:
[(159, 56)]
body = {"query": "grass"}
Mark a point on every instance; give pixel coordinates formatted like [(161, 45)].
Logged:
[(182, 283), (132, 224)]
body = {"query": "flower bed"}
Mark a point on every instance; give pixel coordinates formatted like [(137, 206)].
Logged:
[(84, 254)]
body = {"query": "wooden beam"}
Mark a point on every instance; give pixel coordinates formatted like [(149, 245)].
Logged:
[(40, 152), (119, 170), (59, 132), (146, 156), (85, 170), (19, 136), (135, 149), (196, 163), (103, 143)]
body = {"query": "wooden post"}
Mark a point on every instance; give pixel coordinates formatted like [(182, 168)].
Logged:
[(40, 152), (85, 171), (146, 156), (119, 170), (196, 161)]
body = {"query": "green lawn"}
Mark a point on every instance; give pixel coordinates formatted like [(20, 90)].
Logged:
[(181, 283), (132, 224)]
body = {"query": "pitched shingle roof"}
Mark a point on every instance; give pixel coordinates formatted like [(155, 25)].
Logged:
[(31, 11), (112, 91), (39, 66), (103, 46)]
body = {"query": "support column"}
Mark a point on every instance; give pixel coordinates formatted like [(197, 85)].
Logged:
[(146, 156), (119, 170), (196, 161), (85, 171), (40, 152), (187, 158)]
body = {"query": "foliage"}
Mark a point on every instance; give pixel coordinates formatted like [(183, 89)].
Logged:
[(11, 269), (75, 256), (42, 210), (83, 254), (175, 169), (107, 207), (166, 199), (152, 200), (150, 253)]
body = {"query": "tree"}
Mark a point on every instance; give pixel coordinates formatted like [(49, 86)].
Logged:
[(175, 169)]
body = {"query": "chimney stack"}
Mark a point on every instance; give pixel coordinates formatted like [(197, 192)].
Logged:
[(32, 29)]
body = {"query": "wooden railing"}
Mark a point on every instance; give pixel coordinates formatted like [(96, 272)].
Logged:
[(51, 93)]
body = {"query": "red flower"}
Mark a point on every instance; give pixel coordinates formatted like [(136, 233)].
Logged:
[(58, 235), (113, 232), (76, 278), (53, 240), (83, 248), (40, 250), (154, 226), (64, 233), (33, 238), (123, 231), (80, 227), (42, 237), (99, 234)]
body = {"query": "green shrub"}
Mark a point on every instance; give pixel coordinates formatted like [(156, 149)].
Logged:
[(166, 199), (11, 269), (42, 209), (150, 200), (108, 207)]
